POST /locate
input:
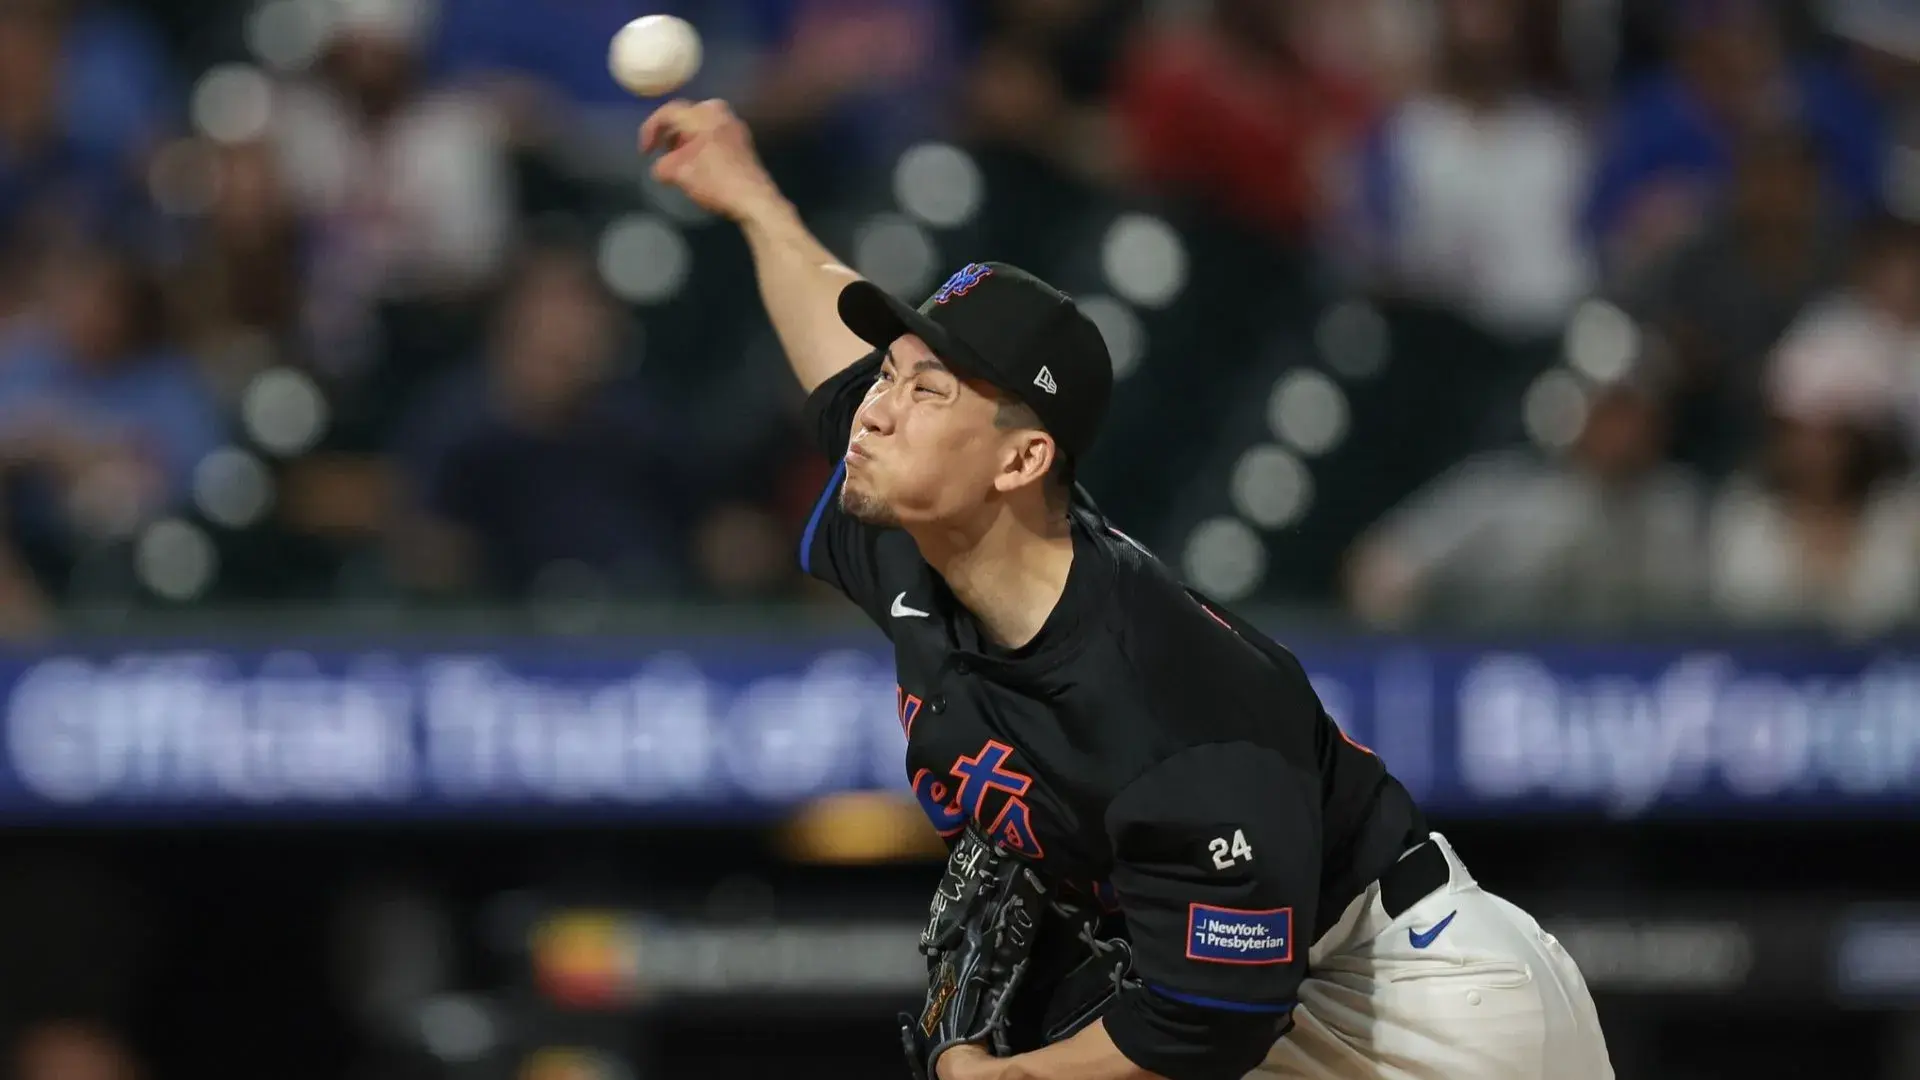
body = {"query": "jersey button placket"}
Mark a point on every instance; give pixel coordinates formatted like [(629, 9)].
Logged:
[(938, 704)]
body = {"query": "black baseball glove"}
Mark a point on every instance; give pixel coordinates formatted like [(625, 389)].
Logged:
[(1104, 972), (979, 938)]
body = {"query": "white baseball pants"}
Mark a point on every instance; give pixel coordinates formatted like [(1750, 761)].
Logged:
[(1490, 996)]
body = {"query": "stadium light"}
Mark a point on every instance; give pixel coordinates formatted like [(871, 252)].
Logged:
[(1354, 340), (287, 35), (1602, 341), (456, 1028), (643, 259), (1308, 411), (1126, 338), (283, 411), (1144, 260), (1225, 558), (939, 184), (232, 487), (175, 560), (1271, 487), (232, 103), (1554, 409), (895, 253)]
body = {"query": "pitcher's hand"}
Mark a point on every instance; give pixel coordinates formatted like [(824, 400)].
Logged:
[(709, 155)]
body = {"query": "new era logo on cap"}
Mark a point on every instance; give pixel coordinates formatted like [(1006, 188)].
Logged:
[(1044, 381)]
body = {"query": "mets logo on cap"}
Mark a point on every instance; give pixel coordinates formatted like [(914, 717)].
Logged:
[(963, 279)]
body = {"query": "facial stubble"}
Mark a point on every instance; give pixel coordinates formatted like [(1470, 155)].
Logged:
[(866, 509)]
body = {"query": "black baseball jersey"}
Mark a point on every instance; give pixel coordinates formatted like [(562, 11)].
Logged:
[(1149, 749)]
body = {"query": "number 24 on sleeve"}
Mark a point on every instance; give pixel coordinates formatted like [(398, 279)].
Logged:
[(1228, 854)]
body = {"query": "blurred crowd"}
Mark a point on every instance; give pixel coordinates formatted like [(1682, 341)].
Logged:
[(347, 301)]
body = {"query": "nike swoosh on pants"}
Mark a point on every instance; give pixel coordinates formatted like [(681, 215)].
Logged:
[(1421, 941)]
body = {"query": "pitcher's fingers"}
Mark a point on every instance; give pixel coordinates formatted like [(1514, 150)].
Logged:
[(662, 124), (668, 168)]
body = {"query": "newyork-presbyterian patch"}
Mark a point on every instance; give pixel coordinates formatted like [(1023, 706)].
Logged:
[(1221, 935)]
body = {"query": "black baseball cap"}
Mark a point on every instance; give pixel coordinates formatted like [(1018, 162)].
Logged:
[(998, 323)]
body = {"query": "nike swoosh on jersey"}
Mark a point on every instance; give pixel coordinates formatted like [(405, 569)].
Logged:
[(1421, 941), (901, 610)]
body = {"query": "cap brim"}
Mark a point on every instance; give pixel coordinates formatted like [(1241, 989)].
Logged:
[(879, 318)]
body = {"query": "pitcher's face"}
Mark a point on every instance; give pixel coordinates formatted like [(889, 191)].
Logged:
[(924, 445)]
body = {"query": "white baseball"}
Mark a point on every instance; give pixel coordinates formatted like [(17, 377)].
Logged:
[(654, 55)]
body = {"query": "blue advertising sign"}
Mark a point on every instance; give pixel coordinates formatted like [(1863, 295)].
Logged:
[(704, 728), (1626, 731)]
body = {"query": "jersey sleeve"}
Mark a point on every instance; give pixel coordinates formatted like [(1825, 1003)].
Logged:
[(1216, 865), (835, 547)]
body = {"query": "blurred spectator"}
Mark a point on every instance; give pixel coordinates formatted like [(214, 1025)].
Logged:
[(1722, 300), (744, 551), (1883, 46), (25, 608), (240, 296), (544, 69), (1877, 317), (543, 460), (101, 423), (80, 100), (409, 190), (119, 94), (1825, 532), (72, 1051), (1041, 82), (1473, 187), (1230, 112), (1609, 534), (1670, 146), (851, 83), (881, 66), (1385, 45), (562, 48)]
